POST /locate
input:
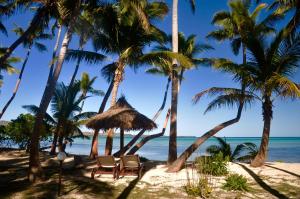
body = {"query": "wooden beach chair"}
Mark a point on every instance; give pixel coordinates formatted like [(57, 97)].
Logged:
[(106, 165), (131, 165)]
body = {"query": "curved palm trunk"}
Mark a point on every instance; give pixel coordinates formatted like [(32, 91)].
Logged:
[(173, 126), (32, 27), (179, 163), (17, 83), (53, 61), (117, 80), (137, 136), (76, 68), (260, 158), (150, 137), (94, 148), (35, 170)]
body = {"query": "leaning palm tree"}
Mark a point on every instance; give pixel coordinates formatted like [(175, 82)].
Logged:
[(68, 12), (271, 67), (244, 152), (32, 41)]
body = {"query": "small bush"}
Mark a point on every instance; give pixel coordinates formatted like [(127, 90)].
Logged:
[(143, 159), (215, 165), (236, 182), (201, 188)]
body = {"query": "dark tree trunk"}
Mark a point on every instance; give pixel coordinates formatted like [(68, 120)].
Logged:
[(117, 80), (35, 170), (55, 137), (94, 149), (260, 158), (17, 84), (179, 163), (53, 61), (32, 27), (173, 125), (76, 68), (150, 137), (122, 141), (136, 137)]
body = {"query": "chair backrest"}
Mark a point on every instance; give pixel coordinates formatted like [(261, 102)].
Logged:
[(130, 161), (106, 160)]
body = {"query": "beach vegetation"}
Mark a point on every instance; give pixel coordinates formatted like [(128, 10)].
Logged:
[(216, 165), (236, 182), (200, 188), (244, 152), (19, 130)]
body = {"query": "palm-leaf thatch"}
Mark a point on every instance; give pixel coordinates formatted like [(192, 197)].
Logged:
[(121, 115)]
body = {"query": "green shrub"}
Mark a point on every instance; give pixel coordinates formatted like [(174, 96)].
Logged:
[(215, 165), (236, 182), (143, 159), (201, 188)]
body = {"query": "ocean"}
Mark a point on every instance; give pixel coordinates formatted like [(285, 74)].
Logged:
[(286, 149)]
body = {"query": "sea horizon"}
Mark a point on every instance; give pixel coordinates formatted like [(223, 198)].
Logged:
[(285, 149)]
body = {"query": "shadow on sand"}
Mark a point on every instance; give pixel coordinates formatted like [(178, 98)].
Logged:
[(266, 187)]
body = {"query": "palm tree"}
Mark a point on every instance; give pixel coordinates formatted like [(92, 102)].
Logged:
[(66, 112), (236, 25), (271, 66), (174, 96), (161, 60), (86, 86), (31, 41), (243, 152), (69, 11), (123, 35)]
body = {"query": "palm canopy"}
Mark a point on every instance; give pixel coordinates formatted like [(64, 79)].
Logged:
[(238, 23), (188, 51), (288, 6), (34, 39), (65, 110), (121, 33), (7, 66), (272, 65)]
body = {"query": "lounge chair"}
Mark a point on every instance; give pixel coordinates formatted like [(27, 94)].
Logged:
[(106, 165), (131, 165)]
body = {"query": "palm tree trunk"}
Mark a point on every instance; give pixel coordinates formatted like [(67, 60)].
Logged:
[(54, 51), (173, 126), (32, 27), (179, 163), (150, 137), (117, 80), (260, 158), (94, 148), (76, 68), (137, 136), (35, 170), (55, 137), (17, 83)]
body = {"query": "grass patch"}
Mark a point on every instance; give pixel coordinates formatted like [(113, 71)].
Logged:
[(236, 182)]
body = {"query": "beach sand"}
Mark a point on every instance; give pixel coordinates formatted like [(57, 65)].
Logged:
[(274, 180)]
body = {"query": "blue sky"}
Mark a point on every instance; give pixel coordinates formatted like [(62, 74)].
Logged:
[(145, 92)]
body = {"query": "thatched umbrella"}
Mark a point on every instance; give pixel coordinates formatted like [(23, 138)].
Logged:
[(122, 115)]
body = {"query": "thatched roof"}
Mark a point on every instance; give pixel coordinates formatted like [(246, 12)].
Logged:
[(121, 115)]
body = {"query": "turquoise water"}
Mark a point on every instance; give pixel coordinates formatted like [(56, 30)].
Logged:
[(285, 149)]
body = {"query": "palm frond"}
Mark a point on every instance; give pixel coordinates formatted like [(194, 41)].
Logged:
[(88, 56)]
